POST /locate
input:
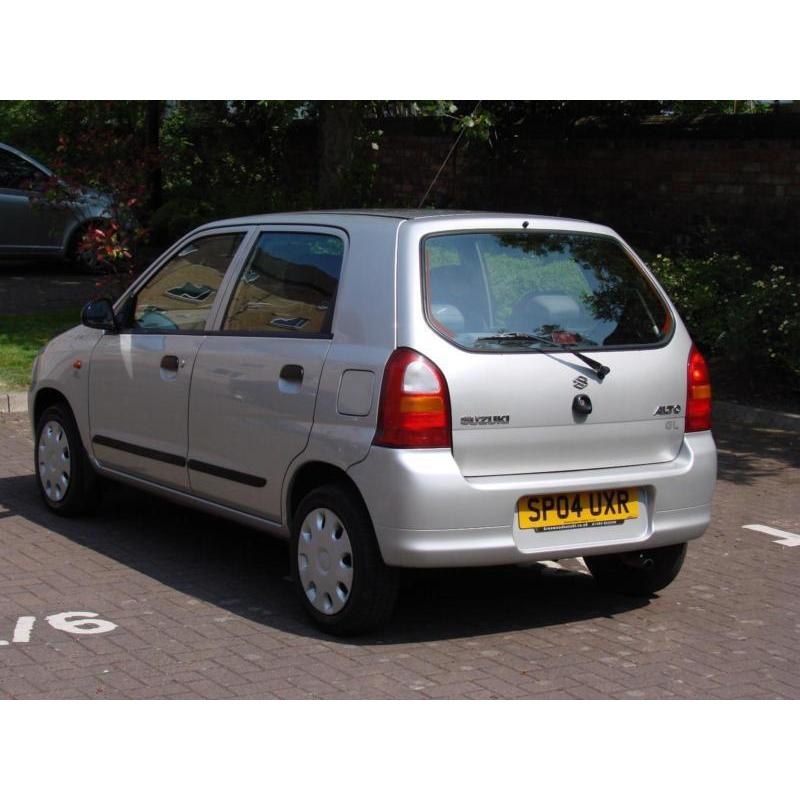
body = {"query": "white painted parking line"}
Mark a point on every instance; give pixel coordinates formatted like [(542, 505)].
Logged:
[(22, 632), (784, 537)]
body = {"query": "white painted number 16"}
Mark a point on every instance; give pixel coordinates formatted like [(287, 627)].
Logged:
[(80, 622)]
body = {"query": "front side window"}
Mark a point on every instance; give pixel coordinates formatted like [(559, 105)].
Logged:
[(179, 297), (528, 290), (288, 285)]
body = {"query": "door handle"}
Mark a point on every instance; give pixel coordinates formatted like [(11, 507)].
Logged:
[(170, 363), (292, 372)]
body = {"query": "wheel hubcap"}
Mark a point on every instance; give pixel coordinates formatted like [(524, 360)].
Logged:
[(55, 464), (325, 561)]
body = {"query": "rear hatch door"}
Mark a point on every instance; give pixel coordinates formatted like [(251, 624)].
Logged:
[(515, 306)]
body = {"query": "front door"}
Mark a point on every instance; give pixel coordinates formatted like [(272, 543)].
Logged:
[(139, 378), (255, 380)]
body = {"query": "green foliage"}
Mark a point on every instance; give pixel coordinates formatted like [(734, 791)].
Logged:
[(178, 216), (37, 126), (34, 126), (749, 317), (21, 337), (225, 156), (477, 124)]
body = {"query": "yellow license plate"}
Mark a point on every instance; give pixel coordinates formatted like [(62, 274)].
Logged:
[(548, 512)]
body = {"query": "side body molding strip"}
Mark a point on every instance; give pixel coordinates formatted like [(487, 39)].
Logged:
[(180, 461)]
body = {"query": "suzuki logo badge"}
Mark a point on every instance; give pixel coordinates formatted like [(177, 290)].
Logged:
[(580, 382)]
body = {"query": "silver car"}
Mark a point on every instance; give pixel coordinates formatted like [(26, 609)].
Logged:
[(394, 389), (30, 226)]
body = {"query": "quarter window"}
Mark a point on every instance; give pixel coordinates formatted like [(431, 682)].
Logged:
[(288, 285), (181, 294)]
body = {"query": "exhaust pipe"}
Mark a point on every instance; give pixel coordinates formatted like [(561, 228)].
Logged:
[(639, 561)]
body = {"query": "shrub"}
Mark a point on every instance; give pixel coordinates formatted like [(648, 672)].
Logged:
[(179, 216), (749, 317)]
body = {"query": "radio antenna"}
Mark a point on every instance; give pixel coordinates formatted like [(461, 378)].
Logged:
[(446, 158)]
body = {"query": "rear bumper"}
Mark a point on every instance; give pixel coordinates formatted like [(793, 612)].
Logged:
[(427, 514)]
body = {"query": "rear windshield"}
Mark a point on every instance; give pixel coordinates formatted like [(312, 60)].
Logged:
[(557, 289)]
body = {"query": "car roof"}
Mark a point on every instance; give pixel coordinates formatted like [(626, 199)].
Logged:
[(400, 214)]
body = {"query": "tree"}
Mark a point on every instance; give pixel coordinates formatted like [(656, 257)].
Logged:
[(340, 124), (153, 113)]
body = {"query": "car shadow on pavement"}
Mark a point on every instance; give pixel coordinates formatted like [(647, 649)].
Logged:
[(745, 454), (246, 572)]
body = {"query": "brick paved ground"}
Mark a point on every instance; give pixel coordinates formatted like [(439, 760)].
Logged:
[(204, 609)]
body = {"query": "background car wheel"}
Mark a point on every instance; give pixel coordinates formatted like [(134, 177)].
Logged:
[(67, 481), (640, 573), (84, 261), (337, 568)]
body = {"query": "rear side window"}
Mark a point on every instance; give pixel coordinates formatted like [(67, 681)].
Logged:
[(549, 288), (288, 285)]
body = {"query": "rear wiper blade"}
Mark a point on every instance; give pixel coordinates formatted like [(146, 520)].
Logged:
[(601, 370)]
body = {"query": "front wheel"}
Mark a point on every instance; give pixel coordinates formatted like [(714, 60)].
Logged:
[(67, 482), (337, 568), (641, 573)]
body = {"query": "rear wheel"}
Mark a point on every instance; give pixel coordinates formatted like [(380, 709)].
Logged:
[(640, 573), (67, 482), (337, 568)]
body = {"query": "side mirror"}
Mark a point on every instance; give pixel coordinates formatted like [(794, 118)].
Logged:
[(99, 314)]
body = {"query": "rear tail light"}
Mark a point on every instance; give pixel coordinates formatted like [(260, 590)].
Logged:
[(415, 405), (698, 393)]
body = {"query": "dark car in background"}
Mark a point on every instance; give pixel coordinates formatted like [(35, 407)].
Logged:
[(32, 226)]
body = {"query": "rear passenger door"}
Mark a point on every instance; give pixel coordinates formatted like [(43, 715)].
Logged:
[(255, 380)]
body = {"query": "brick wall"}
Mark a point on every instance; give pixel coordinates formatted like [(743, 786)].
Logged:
[(704, 182)]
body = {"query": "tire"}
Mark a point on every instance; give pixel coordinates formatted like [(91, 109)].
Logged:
[(639, 573), (67, 482), (336, 565)]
